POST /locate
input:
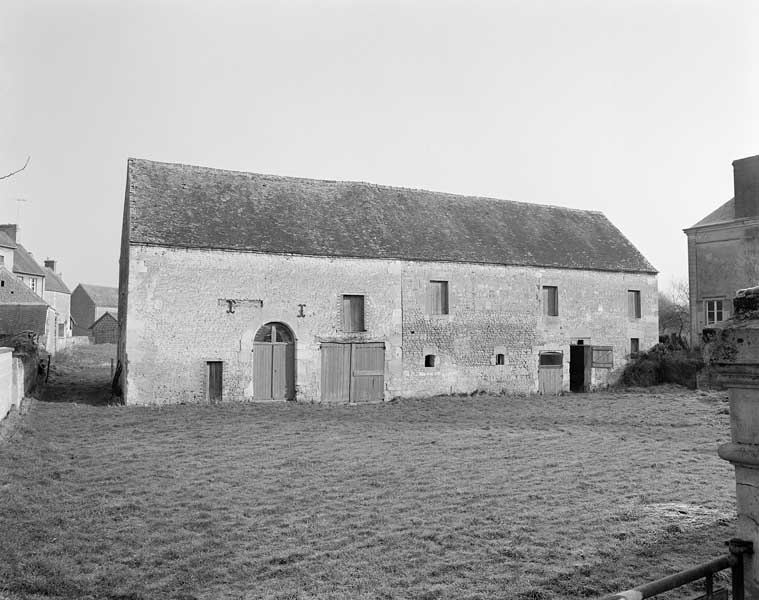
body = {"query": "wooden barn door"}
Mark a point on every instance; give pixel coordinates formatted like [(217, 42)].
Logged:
[(550, 373), (273, 371), (353, 372)]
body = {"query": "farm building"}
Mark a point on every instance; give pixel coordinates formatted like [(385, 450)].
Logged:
[(240, 286), (89, 303), (106, 329), (723, 251)]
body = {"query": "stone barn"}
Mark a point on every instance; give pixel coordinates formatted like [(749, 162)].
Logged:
[(241, 286)]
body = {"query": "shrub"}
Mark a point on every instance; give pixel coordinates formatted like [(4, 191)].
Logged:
[(663, 363)]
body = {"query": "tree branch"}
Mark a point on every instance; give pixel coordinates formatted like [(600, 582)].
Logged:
[(17, 170)]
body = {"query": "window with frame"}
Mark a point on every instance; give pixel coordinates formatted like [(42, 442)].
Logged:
[(603, 357), (714, 311), (439, 297), (633, 304), (33, 283), (353, 312), (551, 300), (429, 360), (500, 359), (634, 345), (553, 360)]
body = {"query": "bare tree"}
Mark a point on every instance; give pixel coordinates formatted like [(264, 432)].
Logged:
[(12, 173), (674, 311)]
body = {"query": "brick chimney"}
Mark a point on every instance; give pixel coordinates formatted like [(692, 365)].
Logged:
[(10, 230), (50, 264), (746, 178)]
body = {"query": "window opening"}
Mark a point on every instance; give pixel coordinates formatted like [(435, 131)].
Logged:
[(439, 297), (429, 360), (633, 304), (353, 312), (603, 357), (634, 345), (551, 300), (274, 332), (714, 311), (551, 359), (500, 359)]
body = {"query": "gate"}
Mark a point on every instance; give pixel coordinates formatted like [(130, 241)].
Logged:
[(353, 372)]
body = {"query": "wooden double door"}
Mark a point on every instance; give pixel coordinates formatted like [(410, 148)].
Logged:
[(353, 372), (274, 363)]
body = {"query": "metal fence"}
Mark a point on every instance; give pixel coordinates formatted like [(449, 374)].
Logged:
[(733, 561)]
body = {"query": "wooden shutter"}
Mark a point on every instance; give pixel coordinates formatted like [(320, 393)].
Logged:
[(353, 313), (633, 304), (439, 297), (367, 372), (603, 357), (214, 381)]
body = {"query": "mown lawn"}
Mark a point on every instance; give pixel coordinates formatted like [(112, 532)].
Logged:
[(482, 497)]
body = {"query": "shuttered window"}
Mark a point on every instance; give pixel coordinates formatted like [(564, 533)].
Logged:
[(603, 357), (634, 345), (551, 300), (633, 304), (353, 313), (439, 297)]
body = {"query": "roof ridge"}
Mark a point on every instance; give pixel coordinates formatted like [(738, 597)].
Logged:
[(274, 177)]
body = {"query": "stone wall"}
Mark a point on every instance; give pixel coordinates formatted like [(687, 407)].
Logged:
[(12, 386), (179, 318)]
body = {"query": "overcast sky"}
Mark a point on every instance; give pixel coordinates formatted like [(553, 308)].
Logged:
[(635, 108)]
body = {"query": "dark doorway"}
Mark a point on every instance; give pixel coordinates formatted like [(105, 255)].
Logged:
[(579, 367)]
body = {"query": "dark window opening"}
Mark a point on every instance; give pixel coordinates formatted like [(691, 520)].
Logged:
[(353, 313), (274, 332), (633, 304), (551, 359), (500, 359), (551, 300), (634, 345), (429, 360), (439, 297)]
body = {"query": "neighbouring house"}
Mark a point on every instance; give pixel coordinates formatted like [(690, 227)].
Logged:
[(723, 251), (7, 250), (241, 286), (89, 303), (58, 295), (24, 265), (106, 329), (24, 313)]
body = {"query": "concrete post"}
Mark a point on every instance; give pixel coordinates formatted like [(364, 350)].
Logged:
[(733, 351)]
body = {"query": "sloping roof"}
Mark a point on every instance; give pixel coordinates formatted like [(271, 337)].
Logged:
[(15, 318), (6, 241), (723, 214), (24, 263), (199, 207), (103, 316), (12, 291), (101, 295), (54, 283)]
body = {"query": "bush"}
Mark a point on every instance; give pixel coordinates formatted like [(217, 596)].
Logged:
[(663, 364)]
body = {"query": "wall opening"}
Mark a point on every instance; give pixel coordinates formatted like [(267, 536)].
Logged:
[(500, 359), (579, 367), (215, 368), (274, 363), (429, 360)]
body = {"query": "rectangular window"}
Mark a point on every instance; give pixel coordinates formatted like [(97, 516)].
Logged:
[(33, 283), (633, 304), (634, 345), (603, 357), (439, 297), (714, 312), (353, 313), (551, 300), (61, 329)]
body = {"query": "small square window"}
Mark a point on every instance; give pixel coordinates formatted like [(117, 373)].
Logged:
[(714, 311), (439, 297), (353, 313), (633, 304), (603, 357), (429, 360), (500, 359), (634, 345), (551, 300)]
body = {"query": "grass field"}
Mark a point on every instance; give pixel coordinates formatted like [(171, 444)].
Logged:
[(477, 497)]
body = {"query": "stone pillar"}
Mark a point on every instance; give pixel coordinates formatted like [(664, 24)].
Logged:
[(734, 354)]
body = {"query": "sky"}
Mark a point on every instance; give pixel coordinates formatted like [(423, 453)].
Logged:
[(634, 108)]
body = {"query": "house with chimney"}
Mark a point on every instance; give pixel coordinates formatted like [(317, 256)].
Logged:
[(723, 251), (21, 262), (90, 302), (249, 287)]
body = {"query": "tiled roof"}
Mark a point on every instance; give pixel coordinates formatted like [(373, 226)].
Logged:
[(54, 283), (24, 263), (103, 316), (198, 207), (101, 295), (12, 291), (723, 214), (16, 318), (6, 241)]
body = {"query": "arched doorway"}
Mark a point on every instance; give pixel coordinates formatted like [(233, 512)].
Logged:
[(274, 363)]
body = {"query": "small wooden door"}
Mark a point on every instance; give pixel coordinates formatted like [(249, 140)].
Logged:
[(273, 371), (550, 373), (353, 372), (214, 381)]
